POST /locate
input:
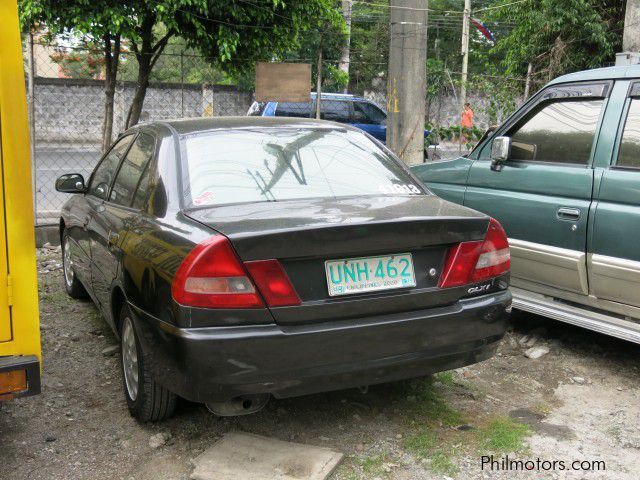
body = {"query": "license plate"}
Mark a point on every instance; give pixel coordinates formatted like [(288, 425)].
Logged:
[(368, 274)]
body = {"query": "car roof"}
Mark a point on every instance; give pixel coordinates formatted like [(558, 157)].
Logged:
[(332, 96), (607, 73), (183, 126)]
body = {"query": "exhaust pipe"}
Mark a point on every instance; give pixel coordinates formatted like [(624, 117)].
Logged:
[(242, 405)]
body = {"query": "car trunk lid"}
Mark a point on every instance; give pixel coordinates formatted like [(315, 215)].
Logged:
[(304, 234)]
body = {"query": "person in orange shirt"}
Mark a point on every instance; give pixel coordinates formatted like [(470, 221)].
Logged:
[(467, 120)]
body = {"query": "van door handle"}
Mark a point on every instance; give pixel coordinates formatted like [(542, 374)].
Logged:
[(568, 213), (113, 238)]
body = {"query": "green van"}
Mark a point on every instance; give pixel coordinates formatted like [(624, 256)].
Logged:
[(562, 175)]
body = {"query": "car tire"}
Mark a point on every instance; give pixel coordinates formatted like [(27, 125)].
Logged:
[(72, 284), (147, 400)]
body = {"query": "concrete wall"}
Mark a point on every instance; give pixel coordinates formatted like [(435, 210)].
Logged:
[(69, 111)]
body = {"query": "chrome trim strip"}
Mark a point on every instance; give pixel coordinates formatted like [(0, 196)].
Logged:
[(598, 322)]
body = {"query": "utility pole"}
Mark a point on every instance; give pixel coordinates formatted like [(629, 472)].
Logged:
[(630, 54), (345, 60), (406, 89), (465, 52), (31, 76)]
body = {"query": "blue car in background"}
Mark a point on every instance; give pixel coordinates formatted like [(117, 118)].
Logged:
[(337, 107)]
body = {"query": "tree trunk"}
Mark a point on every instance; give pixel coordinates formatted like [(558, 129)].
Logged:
[(111, 57), (346, 46), (147, 55), (135, 109)]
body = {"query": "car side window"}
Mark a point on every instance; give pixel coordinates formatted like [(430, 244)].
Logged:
[(131, 170), (558, 132), (144, 187), (335, 110), (294, 109), (366, 113), (106, 170), (629, 151)]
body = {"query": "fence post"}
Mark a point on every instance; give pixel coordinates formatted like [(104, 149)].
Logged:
[(32, 120), (182, 83), (318, 83)]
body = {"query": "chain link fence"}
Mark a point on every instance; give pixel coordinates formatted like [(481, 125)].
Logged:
[(66, 87), (67, 109)]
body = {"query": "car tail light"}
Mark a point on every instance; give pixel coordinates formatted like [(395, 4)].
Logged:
[(212, 276), (471, 262), (273, 283)]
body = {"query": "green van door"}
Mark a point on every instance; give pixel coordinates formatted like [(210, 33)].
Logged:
[(614, 256), (542, 195)]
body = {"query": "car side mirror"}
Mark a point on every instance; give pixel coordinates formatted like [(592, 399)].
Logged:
[(500, 151), (71, 183)]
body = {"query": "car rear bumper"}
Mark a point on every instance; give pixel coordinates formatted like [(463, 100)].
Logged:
[(219, 363), (28, 364)]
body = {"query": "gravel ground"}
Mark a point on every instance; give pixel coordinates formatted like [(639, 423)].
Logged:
[(579, 401)]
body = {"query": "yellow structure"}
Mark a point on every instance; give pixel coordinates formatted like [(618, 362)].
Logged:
[(19, 320)]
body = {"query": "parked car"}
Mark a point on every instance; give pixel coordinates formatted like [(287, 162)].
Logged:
[(562, 175), (241, 258), (337, 107)]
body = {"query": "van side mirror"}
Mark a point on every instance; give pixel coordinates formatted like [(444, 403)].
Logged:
[(500, 151), (71, 183)]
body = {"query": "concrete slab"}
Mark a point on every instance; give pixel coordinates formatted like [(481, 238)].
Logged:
[(240, 455)]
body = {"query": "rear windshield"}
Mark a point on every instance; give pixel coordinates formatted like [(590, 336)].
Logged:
[(271, 164)]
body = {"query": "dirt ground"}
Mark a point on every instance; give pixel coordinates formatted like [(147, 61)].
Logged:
[(580, 401)]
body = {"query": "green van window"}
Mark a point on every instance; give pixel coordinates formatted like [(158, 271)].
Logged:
[(629, 153), (559, 132)]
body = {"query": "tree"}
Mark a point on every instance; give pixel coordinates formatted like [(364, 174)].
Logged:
[(79, 64), (178, 63), (104, 23), (232, 35), (561, 35), (328, 39)]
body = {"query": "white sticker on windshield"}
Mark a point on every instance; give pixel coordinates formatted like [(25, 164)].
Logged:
[(399, 188)]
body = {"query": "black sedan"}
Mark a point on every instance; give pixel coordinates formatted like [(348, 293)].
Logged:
[(243, 258)]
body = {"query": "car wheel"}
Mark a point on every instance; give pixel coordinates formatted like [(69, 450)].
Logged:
[(147, 400), (72, 284)]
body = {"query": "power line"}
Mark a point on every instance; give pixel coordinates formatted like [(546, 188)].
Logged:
[(399, 7), (499, 6)]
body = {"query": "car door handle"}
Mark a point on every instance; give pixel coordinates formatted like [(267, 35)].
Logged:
[(568, 213), (113, 238)]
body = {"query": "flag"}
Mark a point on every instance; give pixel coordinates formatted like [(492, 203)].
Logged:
[(483, 29)]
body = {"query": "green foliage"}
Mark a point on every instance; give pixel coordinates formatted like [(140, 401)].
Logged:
[(230, 38), (421, 443), (79, 64), (437, 79), (372, 466), (441, 463), (430, 406), (503, 435), (561, 35), (80, 18), (447, 379), (369, 47), (329, 38), (178, 64)]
